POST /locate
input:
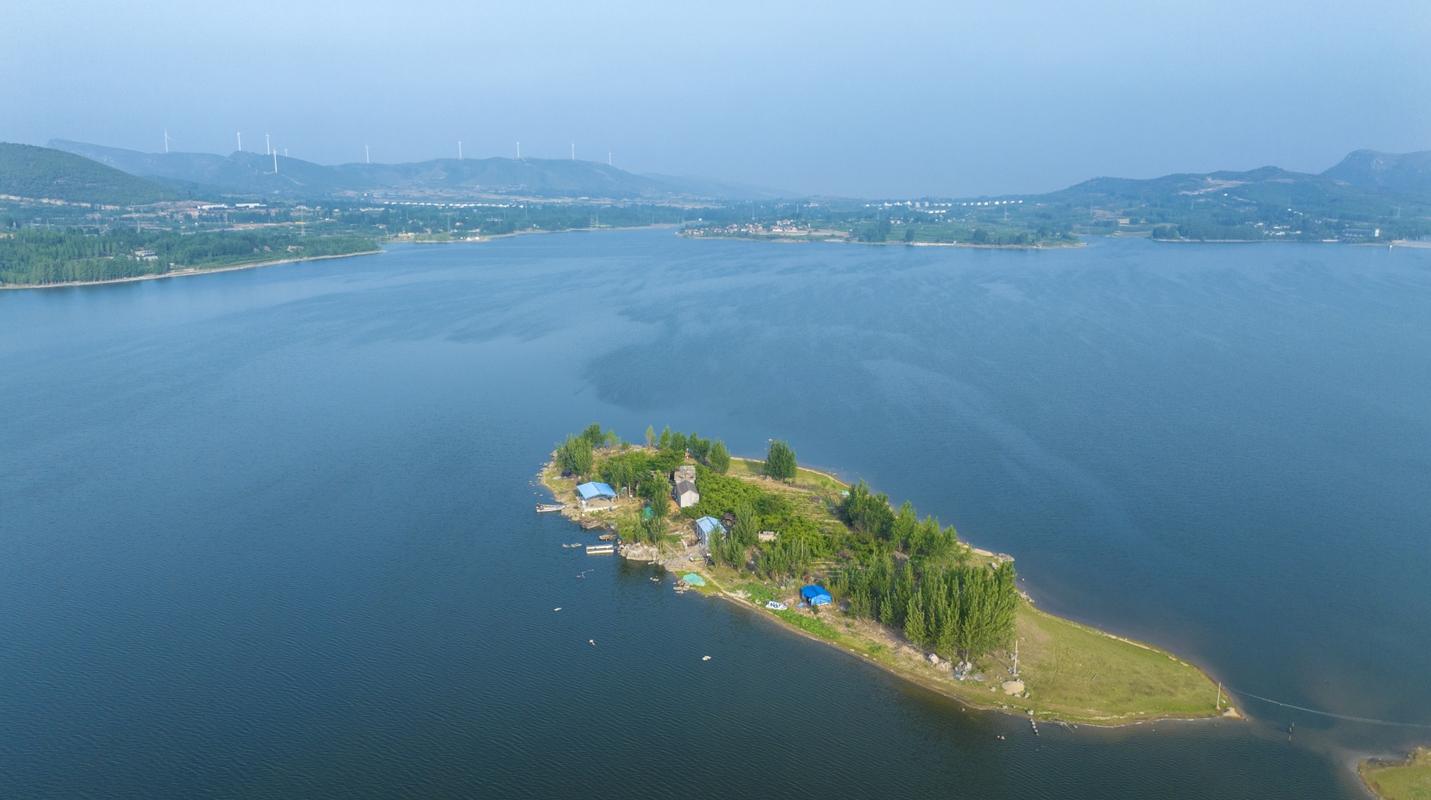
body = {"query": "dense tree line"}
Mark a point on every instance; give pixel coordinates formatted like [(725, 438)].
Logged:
[(31, 256), (960, 612)]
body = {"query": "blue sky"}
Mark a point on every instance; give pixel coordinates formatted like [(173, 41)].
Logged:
[(873, 99)]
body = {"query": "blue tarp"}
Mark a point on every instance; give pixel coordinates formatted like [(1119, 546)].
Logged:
[(705, 526), (815, 594), (588, 491)]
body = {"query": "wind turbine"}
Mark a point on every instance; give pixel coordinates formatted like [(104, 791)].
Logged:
[(573, 151), (519, 149), (166, 140), (459, 149), (267, 145), (239, 134), (367, 156)]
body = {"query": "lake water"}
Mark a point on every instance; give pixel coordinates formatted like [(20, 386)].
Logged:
[(270, 533)]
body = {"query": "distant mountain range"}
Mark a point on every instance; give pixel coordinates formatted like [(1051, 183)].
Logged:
[(41, 172), (1366, 183), (253, 174)]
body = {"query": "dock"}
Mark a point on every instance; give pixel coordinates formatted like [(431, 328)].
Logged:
[(600, 549)]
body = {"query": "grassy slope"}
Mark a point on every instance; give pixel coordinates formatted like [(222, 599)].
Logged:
[(1407, 780), (1072, 672), (43, 173)]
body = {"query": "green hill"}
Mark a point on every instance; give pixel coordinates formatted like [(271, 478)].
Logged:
[(43, 173), (446, 178), (1403, 173)]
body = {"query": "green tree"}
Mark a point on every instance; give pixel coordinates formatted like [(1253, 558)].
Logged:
[(718, 458), (574, 456), (650, 436), (914, 629), (780, 461)]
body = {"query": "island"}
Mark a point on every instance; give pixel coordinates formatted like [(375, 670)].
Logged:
[(838, 563), (1399, 780)]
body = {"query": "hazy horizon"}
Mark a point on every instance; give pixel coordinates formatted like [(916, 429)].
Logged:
[(914, 99)]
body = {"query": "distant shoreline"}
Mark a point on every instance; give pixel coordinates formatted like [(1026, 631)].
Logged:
[(191, 271), (185, 273)]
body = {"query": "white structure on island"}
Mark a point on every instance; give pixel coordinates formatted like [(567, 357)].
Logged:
[(685, 480)]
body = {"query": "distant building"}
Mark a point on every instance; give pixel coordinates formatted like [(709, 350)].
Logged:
[(588, 492), (706, 527)]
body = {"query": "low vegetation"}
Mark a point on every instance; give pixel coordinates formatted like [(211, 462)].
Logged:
[(1403, 780)]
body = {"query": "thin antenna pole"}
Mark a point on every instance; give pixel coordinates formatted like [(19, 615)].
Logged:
[(240, 140), (1218, 705)]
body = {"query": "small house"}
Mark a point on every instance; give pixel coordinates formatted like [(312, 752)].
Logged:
[(591, 491), (706, 527), (685, 472), (815, 595), (686, 494)]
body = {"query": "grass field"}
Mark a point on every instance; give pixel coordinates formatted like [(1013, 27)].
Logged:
[(1407, 780)]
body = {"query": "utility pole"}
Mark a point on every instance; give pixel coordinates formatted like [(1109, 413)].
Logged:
[(1218, 705)]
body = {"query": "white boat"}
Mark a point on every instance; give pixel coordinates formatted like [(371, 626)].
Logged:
[(600, 549), (776, 605)]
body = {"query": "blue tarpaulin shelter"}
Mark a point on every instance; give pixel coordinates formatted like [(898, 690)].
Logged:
[(815, 594), (705, 526), (591, 491)]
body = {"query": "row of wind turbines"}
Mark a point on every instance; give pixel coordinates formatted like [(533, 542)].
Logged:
[(271, 151)]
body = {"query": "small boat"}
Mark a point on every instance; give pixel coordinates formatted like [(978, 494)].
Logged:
[(543, 508), (655, 579), (606, 537), (600, 549), (776, 605)]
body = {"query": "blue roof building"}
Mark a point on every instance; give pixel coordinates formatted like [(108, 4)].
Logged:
[(593, 490), (705, 526), (814, 594)]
